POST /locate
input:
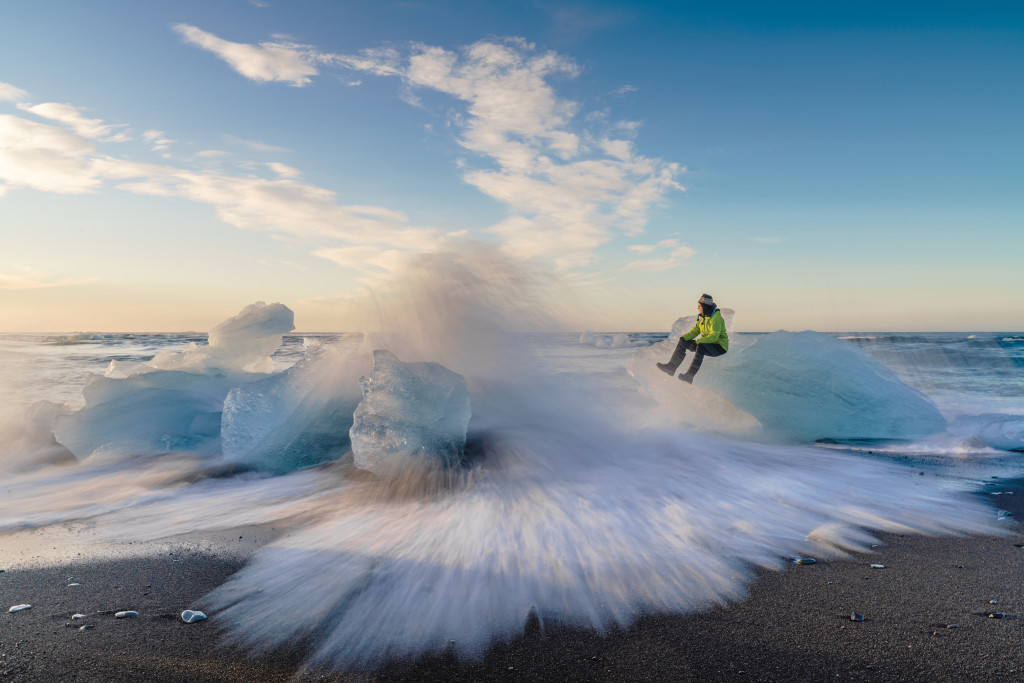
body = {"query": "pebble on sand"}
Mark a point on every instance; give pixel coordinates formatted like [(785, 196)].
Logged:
[(126, 614), (19, 608), (192, 615)]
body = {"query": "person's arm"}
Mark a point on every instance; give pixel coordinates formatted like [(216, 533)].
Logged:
[(692, 333), (717, 328)]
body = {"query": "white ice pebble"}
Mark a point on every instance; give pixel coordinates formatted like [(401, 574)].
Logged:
[(297, 418), (190, 616), (126, 614), (409, 412), (19, 608)]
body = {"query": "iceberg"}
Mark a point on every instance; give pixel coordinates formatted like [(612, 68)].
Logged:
[(298, 418), (174, 401), (807, 386), (410, 413), (243, 343), (996, 430)]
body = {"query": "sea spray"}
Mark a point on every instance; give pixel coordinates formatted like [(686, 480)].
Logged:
[(569, 510)]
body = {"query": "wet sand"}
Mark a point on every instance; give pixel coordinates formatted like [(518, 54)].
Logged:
[(794, 624)]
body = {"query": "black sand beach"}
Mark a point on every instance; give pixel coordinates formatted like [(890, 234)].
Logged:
[(925, 619)]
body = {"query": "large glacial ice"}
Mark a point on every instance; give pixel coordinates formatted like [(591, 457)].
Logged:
[(296, 418), (174, 401), (806, 386), (411, 413)]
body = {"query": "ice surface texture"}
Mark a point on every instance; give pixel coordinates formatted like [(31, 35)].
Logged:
[(296, 418), (174, 401), (409, 411), (807, 386)]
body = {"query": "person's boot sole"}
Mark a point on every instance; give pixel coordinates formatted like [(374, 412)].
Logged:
[(686, 378)]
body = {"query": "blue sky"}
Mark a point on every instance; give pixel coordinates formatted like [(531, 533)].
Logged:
[(855, 167)]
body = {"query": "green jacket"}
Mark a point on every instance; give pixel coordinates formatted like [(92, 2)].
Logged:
[(711, 330)]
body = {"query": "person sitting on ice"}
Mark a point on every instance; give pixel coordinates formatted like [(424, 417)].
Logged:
[(713, 340)]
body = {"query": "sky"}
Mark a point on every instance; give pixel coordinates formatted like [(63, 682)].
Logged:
[(829, 166)]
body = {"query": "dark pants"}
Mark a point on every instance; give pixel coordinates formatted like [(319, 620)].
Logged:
[(701, 350)]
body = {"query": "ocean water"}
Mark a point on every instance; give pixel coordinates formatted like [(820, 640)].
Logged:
[(598, 489)]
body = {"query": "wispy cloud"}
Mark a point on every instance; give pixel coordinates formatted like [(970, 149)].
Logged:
[(9, 93), (72, 117), (25, 278), (47, 158), (623, 90), (569, 189), (766, 240), (285, 62), (283, 170), (254, 145), (158, 139), (677, 254)]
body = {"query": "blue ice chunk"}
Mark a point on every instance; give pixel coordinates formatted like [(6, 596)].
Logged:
[(410, 412)]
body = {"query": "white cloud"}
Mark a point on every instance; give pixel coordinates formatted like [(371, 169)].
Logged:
[(568, 191), (673, 259), (45, 157), (9, 93), (72, 116), (26, 278), (624, 90), (283, 170), (254, 145), (285, 62), (158, 139)]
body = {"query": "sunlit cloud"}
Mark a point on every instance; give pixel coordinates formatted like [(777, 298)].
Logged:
[(283, 170), (677, 255), (157, 139), (25, 278), (9, 93), (72, 116), (45, 157), (568, 189), (285, 62), (254, 145)]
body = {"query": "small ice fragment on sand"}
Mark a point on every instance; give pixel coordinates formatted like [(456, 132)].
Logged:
[(74, 584), (126, 614), (19, 608), (190, 615), (856, 616), (952, 625), (997, 615), (993, 602), (878, 566), (86, 627), (78, 616), (803, 560), (1003, 515)]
